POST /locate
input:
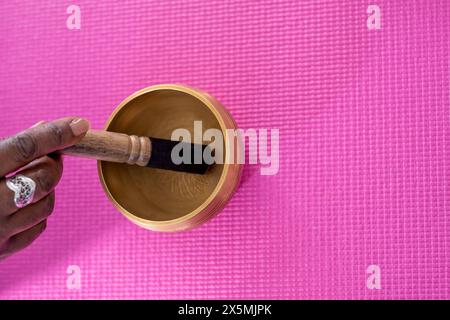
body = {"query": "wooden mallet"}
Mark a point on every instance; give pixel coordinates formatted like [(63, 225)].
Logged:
[(134, 150)]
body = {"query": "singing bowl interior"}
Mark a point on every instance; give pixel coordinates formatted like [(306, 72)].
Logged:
[(154, 194)]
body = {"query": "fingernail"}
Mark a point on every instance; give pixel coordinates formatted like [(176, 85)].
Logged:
[(79, 126), (37, 124)]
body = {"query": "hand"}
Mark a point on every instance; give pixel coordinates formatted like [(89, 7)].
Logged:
[(31, 152)]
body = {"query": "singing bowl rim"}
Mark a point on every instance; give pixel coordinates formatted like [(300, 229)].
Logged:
[(221, 192)]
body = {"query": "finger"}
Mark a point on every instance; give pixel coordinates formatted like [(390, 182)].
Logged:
[(17, 151), (38, 124), (45, 172), (30, 216), (55, 156), (25, 238)]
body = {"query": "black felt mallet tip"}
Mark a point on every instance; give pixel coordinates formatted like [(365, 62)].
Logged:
[(162, 156)]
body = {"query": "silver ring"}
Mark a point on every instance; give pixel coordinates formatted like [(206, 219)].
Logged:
[(23, 188)]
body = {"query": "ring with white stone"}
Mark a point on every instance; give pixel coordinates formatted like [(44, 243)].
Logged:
[(23, 188)]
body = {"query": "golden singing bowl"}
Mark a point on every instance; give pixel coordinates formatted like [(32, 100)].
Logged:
[(163, 200)]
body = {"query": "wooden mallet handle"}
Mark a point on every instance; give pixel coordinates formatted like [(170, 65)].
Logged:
[(113, 147)]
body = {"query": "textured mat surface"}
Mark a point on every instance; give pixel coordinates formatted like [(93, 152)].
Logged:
[(364, 123)]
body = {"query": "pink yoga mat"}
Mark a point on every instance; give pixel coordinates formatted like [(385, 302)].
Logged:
[(364, 119)]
